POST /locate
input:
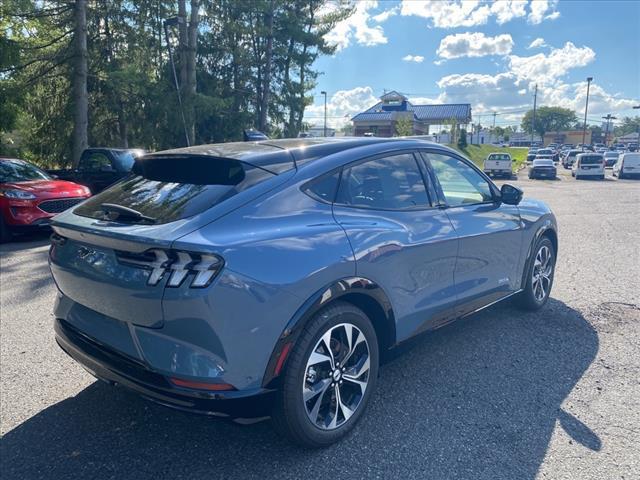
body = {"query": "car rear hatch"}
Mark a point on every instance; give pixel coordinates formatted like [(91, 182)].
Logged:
[(113, 252), (591, 162), (497, 162)]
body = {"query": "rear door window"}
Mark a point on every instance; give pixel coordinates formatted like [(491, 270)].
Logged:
[(166, 189), (389, 183)]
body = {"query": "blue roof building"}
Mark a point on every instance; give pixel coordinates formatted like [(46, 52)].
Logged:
[(381, 119)]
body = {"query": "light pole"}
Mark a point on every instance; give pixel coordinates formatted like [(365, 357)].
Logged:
[(638, 128), (325, 111), (608, 118), (586, 107)]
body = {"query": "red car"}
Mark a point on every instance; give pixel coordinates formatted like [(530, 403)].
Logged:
[(29, 197)]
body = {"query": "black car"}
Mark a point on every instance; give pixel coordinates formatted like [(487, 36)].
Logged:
[(100, 167)]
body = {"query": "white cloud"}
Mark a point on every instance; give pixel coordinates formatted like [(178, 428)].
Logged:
[(537, 43), (507, 10), (483, 92), (413, 58), (549, 68), (464, 13), (474, 45), (448, 13), (356, 28), (540, 10), (385, 15), (512, 89), (341, 106)]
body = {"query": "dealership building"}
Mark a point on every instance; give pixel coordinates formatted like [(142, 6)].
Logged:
[(381, 119)]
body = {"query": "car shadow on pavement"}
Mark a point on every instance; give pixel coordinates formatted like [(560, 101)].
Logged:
[(25, 242), (477, 399)]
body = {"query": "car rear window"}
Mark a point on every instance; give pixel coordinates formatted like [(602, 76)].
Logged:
[(499, 156), (164, 189), (590, 159)]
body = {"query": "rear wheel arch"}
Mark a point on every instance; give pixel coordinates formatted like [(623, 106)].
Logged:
[(360, 292)]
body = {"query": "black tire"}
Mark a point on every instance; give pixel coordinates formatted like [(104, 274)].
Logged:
[(6, 235), (528, 299), (289, 416)]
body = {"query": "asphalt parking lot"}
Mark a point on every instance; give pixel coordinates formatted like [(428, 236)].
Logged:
[(499, 395)]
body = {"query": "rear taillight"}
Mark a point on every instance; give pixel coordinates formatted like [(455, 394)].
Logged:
[(177, 264)]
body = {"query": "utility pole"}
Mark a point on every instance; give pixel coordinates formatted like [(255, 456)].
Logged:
[(325, 111), (535, 102), (493, 130), (608, 118), (586, 107)]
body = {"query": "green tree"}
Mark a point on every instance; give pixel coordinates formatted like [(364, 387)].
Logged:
[(627, 125), (462, 141), (404, 127), (239, 65), (548, 119)]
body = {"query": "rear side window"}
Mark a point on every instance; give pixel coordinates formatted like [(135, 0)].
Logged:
[(324, 188), (388, 183), (166, 189)]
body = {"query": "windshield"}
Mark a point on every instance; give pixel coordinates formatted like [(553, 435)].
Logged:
[(19, 171), (545, 151)]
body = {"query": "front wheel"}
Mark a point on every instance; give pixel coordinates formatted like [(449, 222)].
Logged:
[(539, 276), (329, 378)]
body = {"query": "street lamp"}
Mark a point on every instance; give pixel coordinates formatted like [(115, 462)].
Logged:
[(325, 111), (586, 107), (637, 129)]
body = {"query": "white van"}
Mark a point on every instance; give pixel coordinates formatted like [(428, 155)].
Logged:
[(628, 164), (498, 164), (588, 165)]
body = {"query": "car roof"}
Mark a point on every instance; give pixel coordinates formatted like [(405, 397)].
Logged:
[(282, 154)]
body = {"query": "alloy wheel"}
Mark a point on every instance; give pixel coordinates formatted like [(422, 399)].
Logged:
[(542, 273), (336, 376)]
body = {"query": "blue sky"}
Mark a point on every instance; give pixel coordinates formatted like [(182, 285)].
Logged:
[(489, 54)]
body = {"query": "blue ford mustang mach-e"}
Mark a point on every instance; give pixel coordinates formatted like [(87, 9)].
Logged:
[(270, 278)]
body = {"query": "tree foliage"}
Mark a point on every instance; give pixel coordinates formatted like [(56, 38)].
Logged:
[(627, 125), (239, 65), (404, 127), (548, 119), (462, 141)]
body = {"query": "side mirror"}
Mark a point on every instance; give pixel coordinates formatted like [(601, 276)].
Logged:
[(510, 195)]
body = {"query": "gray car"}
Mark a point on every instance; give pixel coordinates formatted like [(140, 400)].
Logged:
[(271, 277)]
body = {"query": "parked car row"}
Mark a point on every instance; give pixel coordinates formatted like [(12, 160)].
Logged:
[(583, 161)]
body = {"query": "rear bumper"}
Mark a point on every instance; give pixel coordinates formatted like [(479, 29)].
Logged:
[(543, 172), (118, 369)]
